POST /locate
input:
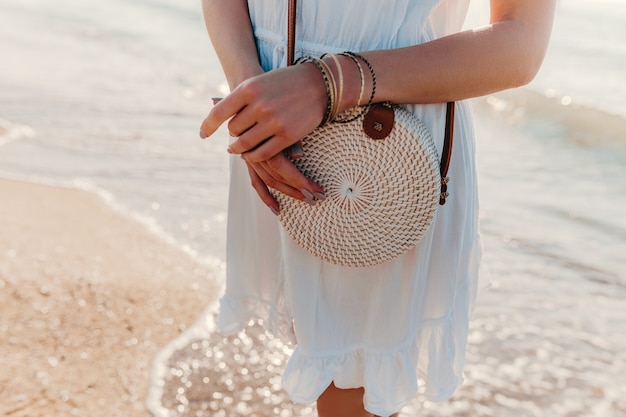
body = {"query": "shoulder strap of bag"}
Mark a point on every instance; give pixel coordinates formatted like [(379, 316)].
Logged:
[(446, 153), (291, 32)]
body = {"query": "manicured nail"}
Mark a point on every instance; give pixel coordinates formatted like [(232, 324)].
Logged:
[(274, 210), (320, 196), (202, 135), (216, 100), (310, 201), (296, 150), (307, 194)]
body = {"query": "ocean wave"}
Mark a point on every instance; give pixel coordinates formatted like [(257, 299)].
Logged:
[(583, 124), (10, 132)]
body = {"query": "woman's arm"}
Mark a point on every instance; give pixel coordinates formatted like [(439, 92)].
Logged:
[(270, 112), (505, 54), (230, 30)]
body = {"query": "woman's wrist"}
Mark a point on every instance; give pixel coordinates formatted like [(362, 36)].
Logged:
[(242, 73), (339, 82), (357, 80), (319, 96)]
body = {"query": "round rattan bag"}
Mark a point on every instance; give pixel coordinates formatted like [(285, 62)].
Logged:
[(382, 193)]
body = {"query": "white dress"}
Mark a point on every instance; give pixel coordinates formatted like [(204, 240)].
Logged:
[(385, 327)]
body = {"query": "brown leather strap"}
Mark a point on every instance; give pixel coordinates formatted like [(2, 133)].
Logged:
[(446, 153), (291, 32)]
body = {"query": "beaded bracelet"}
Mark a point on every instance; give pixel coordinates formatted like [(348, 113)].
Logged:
[(371, 69), (362, 77), (335, 92), (327, 84), (341, 83)]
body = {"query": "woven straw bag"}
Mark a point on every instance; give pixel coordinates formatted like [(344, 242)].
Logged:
[(382, 193)]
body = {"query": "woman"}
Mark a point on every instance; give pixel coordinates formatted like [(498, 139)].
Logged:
[(364, 335)]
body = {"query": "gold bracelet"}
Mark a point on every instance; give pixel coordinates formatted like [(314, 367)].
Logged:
[(357, 111), (373, 74), (341, 82), (335, 92)]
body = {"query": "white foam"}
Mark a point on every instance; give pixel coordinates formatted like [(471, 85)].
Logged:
[(198, 331), (214, 263), (14, 132)]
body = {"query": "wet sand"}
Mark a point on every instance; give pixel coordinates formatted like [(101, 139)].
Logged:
[(87, 299)]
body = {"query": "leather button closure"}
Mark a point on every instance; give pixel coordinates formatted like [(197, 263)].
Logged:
[(378, 121)]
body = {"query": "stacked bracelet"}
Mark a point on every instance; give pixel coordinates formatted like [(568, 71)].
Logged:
[(335, 92), (356, 112), (327, 83), (371, 69), (335, 86)]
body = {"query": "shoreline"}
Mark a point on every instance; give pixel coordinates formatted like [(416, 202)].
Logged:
[(88, 298)]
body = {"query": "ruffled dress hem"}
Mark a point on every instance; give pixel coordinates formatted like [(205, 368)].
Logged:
[(389, 376)]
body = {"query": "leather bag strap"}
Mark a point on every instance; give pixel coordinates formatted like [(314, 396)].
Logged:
[(446, 153), (291, 32)]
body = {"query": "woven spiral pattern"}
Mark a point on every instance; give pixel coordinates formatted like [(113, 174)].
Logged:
[(382, 195)]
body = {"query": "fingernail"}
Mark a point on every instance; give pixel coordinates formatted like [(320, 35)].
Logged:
[(229, 150), (307, 194), (274, 210), (310, 201), (202, 135), (216, 100), (296, 150), (320, 196)]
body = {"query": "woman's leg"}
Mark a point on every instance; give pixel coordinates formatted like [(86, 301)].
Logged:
[(336, 402)]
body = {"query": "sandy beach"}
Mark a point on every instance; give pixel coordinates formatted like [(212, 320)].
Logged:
[(87, 298)]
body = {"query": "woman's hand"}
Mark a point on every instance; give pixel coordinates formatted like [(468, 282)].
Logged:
[(269, 113)]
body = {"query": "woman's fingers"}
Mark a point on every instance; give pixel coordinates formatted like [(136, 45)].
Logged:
[(267, 117), (258, 140), (262, 190), (284, 173), (260, 134), (271, 182), (222, 110), (250, 138), (280, 174), (270, 112)]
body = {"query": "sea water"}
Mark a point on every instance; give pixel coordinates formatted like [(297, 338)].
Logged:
[(108, 97)]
